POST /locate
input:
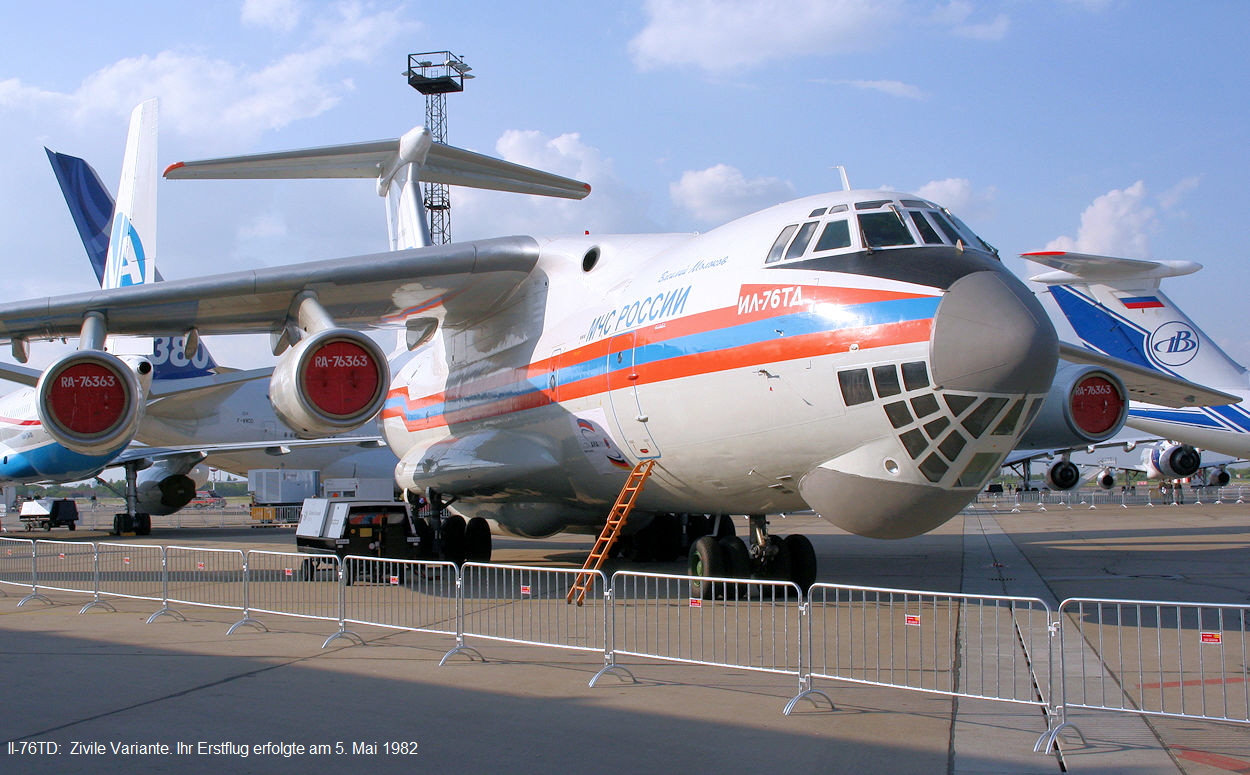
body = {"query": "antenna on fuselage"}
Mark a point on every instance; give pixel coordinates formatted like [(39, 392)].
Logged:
[(846, 182)]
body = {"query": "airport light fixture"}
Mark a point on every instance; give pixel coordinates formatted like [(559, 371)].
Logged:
[(437, 74)]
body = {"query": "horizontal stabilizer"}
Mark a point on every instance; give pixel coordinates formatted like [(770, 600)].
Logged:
[(1149, 385), (442, 164), (1113, 272)]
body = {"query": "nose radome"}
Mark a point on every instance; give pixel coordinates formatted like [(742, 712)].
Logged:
[(991, 335)]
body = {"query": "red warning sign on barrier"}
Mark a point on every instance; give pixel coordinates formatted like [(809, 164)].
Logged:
[(525, 590), (1212, 637), (696, 602), (199, 566), (125, 561), (911, 620), (394, 581), (288, 572)]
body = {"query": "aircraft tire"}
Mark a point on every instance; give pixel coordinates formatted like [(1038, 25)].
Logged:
[(737, 562), (477, 540), (697, 526), (706, 559), (453, 539), (802, 561), (778, 568), (143, 524)]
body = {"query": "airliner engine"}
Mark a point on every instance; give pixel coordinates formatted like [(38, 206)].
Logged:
[(1063, 475), (1171, 461), (91, 401), (167, 486), (1218, 477), (1105, 479), (1085, 405), (331, 382)]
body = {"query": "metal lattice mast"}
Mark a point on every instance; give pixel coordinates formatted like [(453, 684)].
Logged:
[(437, 74)]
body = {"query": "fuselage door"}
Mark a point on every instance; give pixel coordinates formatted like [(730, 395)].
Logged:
[(631, 418)]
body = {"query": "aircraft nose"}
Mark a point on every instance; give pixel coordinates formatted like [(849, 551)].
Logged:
[(991, 335)]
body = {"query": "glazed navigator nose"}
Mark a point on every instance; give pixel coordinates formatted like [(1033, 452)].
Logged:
[(991, 335)]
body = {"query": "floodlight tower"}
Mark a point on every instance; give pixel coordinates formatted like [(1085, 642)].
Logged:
[(437, 74)]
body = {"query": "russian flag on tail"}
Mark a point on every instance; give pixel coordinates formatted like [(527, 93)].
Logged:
[(1141, 302)]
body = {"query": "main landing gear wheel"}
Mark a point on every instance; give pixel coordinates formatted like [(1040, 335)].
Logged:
[(706, 560), (452, 539), (802, 561), (477, 543), (737, 563)]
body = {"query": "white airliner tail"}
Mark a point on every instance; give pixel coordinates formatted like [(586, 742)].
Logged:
[(131, 258), (1115, 306), (399, 166)]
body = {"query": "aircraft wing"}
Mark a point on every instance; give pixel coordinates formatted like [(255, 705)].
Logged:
[(443, 164), (22, 375), (1085, 268), (1147, 385), (454, 283), (275, 448)]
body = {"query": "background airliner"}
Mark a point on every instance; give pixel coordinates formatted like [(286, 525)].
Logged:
[(1116, 308)]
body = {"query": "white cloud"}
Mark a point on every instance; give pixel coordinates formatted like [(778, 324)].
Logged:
[(721, 193), (719, 35), (892, 88), (223, 100), (1116, 224), (611, 207), (959, 196), (957, 16), (280, 15)]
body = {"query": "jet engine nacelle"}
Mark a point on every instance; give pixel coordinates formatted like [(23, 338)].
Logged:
[(1085, 405), (1105, 479), (1063, 475), (165, 487), (91, 402), (1172, 461), (1218, 478), (331, 382)]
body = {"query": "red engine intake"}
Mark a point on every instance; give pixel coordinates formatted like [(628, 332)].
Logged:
[(90, 401), (331, 382), (1085, 405)]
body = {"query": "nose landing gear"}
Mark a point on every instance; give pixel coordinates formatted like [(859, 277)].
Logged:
[(763, 556)]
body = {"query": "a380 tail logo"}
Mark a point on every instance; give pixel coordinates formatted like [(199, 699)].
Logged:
[(1173, 344)]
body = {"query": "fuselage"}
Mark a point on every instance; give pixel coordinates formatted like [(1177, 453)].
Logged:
[(862, 354)]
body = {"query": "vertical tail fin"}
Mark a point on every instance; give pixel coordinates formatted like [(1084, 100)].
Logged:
[(120, 238), (132, 239), (1115, 306), (90, 205)]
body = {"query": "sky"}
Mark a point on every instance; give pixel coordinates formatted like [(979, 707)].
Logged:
[(1114, 127)]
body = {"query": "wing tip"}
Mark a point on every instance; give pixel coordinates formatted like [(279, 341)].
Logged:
[(176, 165)]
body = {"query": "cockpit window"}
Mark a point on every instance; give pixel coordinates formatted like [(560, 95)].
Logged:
[(819, 211), (873, 205), (883, 230), (972, 238), (927, 233), (947, 227), (801, 239), (779, 246), (837, 234)]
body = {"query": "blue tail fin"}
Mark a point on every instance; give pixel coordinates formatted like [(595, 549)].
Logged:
[(90, 205)]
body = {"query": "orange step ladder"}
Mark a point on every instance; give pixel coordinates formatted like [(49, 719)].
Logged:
[(611, 530)]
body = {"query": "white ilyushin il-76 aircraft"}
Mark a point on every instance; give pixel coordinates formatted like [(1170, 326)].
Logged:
[(1116, 308), (860, 353)]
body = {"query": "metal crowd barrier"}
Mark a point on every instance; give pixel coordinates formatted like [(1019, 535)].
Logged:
[(745, 624), (399, 594), (1185, 660), (527, 605), (993, 648), (17, 564)]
